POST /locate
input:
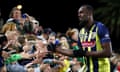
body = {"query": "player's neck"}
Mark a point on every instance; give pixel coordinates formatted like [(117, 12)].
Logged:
[(90, 23)]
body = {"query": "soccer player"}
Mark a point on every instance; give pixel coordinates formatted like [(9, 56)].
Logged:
[(95, 42)]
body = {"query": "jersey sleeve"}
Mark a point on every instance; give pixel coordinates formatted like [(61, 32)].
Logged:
[(103, 34)]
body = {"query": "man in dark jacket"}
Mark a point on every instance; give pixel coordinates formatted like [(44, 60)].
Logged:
[(3, 42)]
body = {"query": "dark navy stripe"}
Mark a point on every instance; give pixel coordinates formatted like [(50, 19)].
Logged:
[(95, 60), (94, 30), (94, 40), (88, 64), (95, 64)]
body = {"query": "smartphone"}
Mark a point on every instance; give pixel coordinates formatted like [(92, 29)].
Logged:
[(24, 16)]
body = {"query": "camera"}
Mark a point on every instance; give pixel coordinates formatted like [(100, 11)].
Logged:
[(48, 61), (51, 62)]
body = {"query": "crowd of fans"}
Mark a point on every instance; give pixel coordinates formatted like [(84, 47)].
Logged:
[(27, 47)]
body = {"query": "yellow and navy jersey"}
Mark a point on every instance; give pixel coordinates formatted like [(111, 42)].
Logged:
[(91, 40)]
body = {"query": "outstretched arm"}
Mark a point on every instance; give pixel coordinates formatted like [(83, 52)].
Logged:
[(66, 52)]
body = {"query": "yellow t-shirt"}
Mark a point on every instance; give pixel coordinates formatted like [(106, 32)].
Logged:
[(64, 68)]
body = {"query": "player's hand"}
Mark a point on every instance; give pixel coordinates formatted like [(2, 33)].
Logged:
[(51, 47)]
